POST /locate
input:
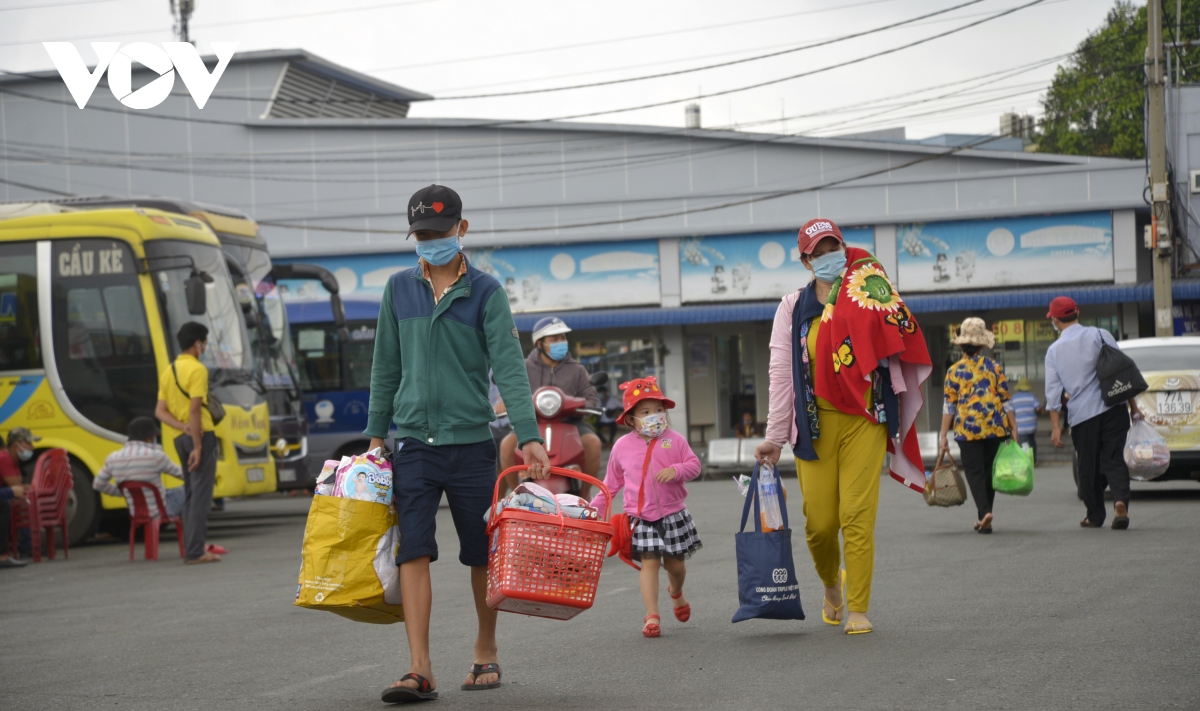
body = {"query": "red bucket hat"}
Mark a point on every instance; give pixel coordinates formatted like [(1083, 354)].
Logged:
[(814, 231), (640, 389)]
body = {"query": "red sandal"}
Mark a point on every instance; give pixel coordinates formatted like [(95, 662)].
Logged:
[(683, 614), (651, 629)]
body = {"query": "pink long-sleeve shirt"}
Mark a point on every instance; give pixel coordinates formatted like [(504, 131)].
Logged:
[(781, 418), (625, 472)]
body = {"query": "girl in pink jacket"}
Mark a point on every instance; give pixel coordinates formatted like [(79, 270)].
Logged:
[(651, 464)]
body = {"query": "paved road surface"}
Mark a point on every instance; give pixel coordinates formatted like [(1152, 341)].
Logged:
[(1042, 614)]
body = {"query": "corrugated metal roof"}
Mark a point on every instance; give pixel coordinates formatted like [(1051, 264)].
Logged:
[(307, 94), (1184, 289)]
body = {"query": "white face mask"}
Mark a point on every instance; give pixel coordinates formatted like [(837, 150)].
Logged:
[(651, 425)]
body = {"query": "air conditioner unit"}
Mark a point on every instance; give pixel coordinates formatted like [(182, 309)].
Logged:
[(1195, 176)]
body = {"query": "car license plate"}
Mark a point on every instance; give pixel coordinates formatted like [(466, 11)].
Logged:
[(1174, 403), (287, 474), (255, 474)]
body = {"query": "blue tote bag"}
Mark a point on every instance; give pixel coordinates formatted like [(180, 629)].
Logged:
[(767, 585)]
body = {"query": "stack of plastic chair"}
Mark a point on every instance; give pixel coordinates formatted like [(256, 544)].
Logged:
[(48, 495), (137, 492)]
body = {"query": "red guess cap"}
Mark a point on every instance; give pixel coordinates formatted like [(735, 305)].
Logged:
[(814, 231), (1062, 307)]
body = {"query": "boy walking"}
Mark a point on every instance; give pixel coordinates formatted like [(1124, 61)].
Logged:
[(442, 325), (141, 459), (182, 405)]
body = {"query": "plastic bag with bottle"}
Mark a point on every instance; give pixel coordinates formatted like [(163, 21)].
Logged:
[(768, 494), (1146, 452)]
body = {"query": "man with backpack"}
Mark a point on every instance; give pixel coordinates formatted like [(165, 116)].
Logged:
[(1097, 430), (183, 406)]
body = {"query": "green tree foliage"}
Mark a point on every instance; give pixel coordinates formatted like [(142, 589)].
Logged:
[(1095, 105)]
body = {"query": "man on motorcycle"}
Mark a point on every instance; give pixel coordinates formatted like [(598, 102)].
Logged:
[(550, 363)]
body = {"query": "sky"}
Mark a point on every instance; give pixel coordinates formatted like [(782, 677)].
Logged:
[(959, 83)]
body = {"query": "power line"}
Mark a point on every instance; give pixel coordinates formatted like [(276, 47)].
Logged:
[(612, 163), (749, 200), (729, 63), (54, 4), (780, 80), (227, 23), (493, 124), (677, 213), (629, 38), (40, 189)]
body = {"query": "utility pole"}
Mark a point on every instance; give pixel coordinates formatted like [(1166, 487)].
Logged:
[(1159, 239), (181, 11)]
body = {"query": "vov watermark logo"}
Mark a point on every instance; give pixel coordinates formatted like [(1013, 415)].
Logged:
[(171, 58)]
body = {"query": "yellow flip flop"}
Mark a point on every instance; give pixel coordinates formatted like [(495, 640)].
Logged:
[(859, 628), (825, 618)]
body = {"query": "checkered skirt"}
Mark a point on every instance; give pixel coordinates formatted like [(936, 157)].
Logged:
[(674, 535)]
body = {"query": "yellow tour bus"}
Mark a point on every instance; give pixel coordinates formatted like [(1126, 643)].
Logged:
[(90, 302)]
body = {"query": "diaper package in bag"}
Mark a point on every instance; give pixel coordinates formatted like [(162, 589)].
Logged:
[(1146, 452), (365, 477)]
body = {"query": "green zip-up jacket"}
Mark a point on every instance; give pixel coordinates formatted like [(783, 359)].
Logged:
[(430, 372)]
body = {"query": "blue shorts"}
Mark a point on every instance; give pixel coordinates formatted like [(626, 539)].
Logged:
[(420, 473)]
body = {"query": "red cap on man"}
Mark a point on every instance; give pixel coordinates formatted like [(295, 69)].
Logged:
[(1062, 307), (814, 231)]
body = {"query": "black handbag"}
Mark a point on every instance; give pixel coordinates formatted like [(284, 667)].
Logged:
[(214, 405), (1120, 379)]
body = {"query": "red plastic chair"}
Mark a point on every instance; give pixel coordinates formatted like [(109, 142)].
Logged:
[(47, 508), (141, 518)]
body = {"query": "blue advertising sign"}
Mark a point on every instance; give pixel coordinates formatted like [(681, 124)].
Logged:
[(535, 278), (1017, 251), (747, 267), (575, 276)]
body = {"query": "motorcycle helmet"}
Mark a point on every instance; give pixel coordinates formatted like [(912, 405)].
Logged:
[(549, 326)]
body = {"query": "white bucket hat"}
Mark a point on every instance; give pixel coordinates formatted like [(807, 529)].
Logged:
[(974, 332)]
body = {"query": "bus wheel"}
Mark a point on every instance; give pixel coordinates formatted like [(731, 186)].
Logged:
[(83, 506)]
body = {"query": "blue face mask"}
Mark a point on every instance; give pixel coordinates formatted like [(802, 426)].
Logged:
[(827, 266), (25, 455), (558, 351), (439, 252)]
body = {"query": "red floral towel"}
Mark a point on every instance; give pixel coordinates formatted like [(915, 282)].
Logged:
[(865, 322)]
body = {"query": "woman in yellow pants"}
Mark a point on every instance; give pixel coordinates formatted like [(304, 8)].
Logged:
[(840, 446)]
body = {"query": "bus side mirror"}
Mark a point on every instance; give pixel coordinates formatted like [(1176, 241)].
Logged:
[(196, 294), (339, 311)]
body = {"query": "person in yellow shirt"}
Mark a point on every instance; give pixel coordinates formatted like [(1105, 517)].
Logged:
[(182, 405)]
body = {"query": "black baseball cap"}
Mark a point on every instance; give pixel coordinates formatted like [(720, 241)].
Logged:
[(436, 208)]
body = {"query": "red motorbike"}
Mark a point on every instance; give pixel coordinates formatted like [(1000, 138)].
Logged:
[(563, 445)]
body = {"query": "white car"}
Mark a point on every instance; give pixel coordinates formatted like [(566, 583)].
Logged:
[(1171, 367)]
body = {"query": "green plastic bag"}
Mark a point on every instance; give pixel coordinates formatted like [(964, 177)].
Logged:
[(1012, 470)]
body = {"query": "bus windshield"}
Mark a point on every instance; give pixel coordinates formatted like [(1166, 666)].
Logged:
[(228, 355), (279, 359)]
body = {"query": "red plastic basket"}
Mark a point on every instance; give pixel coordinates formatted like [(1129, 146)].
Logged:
[(543, 565)]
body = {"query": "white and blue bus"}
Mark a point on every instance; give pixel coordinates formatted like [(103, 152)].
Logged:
[(335, 373)]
